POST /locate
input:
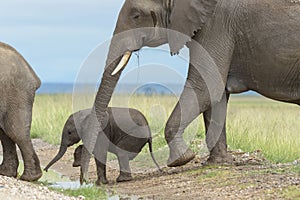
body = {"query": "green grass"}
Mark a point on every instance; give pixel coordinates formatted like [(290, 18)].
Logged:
[(49, 115), (89, 193), (253, 122), (296, 169), (291, 192), (273, 127)]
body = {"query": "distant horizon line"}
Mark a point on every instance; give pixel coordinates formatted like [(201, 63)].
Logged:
[(118, 83), (159, 88)]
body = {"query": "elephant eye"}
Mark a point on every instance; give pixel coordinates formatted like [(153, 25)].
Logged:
[(69, 132), (136, 16)]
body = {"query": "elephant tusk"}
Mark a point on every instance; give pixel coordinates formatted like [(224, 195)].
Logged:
[(122, 63)]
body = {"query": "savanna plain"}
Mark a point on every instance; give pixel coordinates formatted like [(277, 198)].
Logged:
[(263, 137)]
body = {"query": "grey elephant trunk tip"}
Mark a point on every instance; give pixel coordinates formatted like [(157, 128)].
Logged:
[(58, 156), (47, 168)]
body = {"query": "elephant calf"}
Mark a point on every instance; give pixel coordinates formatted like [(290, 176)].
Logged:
[(127, 130)]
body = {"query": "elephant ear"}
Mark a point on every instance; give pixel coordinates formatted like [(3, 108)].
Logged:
[(186, 19), (86, 121)]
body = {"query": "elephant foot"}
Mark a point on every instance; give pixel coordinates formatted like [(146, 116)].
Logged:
[(124, 176), (32, 175), (76, 164), (213, 160), (101, 181), (83, 179), (180, 159), (219, 156), (11, 171), (32, 170)]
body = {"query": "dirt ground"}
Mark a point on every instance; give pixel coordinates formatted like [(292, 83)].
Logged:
[(251, 177)]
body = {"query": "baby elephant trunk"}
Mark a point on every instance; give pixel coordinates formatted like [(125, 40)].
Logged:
[(61, 152), (151, 153)]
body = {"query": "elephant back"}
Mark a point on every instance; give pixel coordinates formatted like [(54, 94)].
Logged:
[(15, 72)]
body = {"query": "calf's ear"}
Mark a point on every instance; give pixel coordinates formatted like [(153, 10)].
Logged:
[(187, 17)]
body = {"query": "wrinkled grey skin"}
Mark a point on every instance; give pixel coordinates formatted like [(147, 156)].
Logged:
[(254, 44), (18, 84), (128, 132)]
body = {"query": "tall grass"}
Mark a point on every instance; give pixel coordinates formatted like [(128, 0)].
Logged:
[(253, 122), (49, 115), (271, 126)]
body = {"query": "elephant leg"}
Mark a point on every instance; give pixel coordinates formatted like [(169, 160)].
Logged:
[(84, 165), (17, 127), (100, 154), (215, 125), (204, 88), (192, 102), (101, 173), (125, 171), (10, 163)]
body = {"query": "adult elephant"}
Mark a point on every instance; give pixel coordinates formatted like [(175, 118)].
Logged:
[(18, 84), (254, 44)]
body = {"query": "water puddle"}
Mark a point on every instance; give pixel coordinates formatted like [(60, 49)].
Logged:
[(73, 185), (58, 181)]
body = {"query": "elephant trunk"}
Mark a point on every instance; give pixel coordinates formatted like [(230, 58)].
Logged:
[(61, 152), (106, 90), (115, 63)]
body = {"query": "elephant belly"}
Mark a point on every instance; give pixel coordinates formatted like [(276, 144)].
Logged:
[(273, 80), (285, 88), (131, 145)]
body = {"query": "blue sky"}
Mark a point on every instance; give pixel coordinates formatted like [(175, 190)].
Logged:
[(56, 36)]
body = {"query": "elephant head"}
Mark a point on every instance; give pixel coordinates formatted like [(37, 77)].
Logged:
[(147, 23), (70, 135)]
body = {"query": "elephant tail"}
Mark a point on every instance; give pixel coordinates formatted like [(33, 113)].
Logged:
[(151, 153)]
